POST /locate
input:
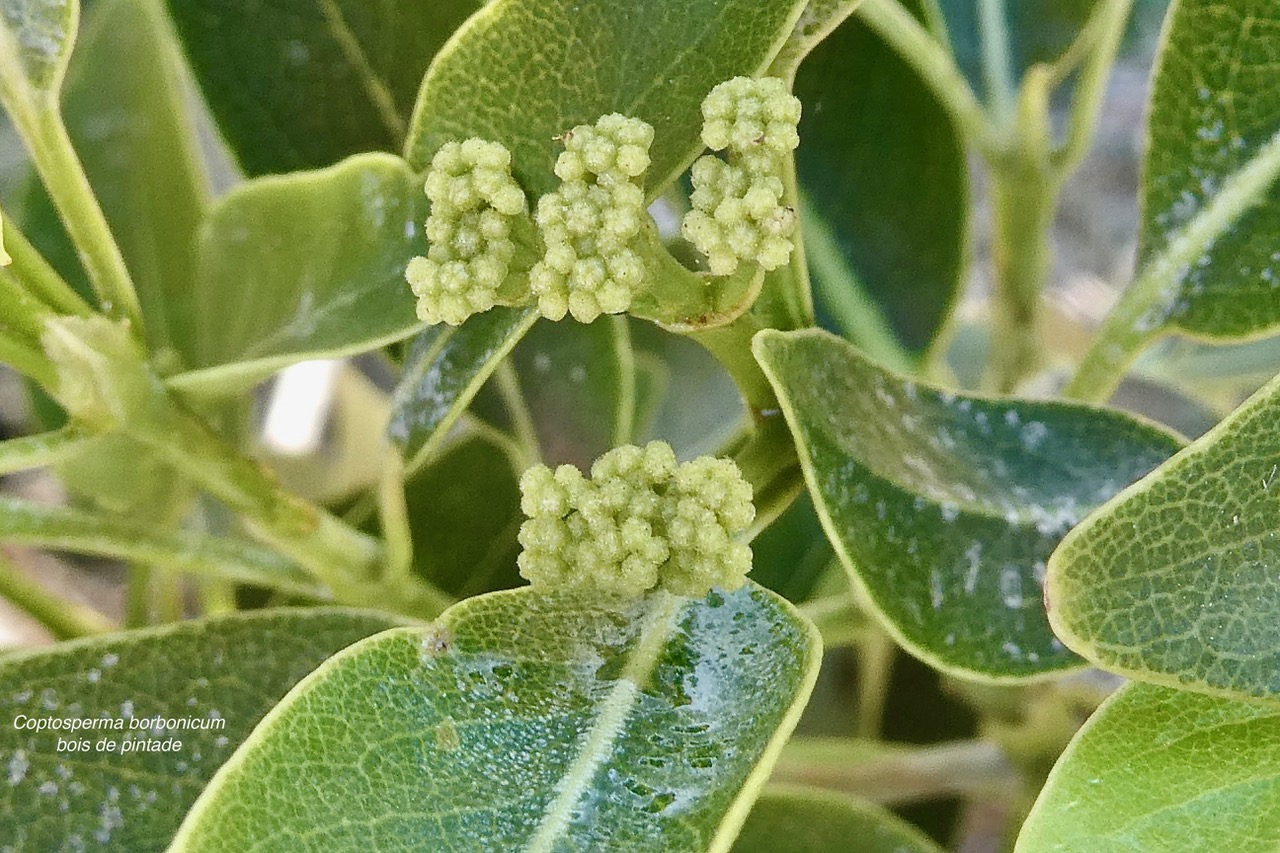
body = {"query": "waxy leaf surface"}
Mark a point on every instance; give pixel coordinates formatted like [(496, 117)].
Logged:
[(522, 72), (301, 84), (816, 821), (1175, 580), (1214, 129), (227, 672), (1167, 770), (520, 722), (945, 507), (309, 265)]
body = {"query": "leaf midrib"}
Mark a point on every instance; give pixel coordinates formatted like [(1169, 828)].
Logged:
[(598, 744)]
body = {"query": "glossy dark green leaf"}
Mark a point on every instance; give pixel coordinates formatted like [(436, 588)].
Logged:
[(464, 512), (580, 386), (1160, 769), (301, 84), (1174, 581), (791, 556), (522, 72), (445, 370), (872, 135), (225, 673), (945, 507), (524, 722), (799, 820), (123, 107), (304, 266), (1215, 131)]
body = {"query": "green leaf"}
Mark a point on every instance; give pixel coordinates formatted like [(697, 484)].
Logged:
[(1160, 769), (522, 72), (526, 722), (791, 556), (945, 507), (1215, 131), (224, 672), (464, 512), (871, 136), (580, 385), (309, 82), (800, 820), (304, 266), (1038, 32), (35, 43), (123, 107), (445, 370), (1174, 581)]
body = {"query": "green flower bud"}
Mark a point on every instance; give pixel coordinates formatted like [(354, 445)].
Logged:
[(591, 223), (640, 522), (751, 118), (737, 211), (474, 199)]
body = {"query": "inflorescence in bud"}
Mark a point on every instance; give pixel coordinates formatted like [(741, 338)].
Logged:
[(474, 200), (640, 522), (591, 223), (738, 212)]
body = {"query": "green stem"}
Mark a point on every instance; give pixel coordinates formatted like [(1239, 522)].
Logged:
[(997, 60), (875, 667), (64, 177), (1101, 40), (65, 620), (137, 597), (1144, 308), (768, 462), (394, 514), (38, 277), (24, 316), (935, 65), (1024, 193), (38, 451), (838, 618), (968, 769), (508, 385), (64, 529)]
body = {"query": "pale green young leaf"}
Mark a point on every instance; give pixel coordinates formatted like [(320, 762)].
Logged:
[(522, 72), (522, 722), (309, 265), (579, 383), (1167, 770), (1174, 581), (36, 37), (310, 82), (816, 821), (444, 371), (123, 108), (226, 672), (871, 135), (945, 507)]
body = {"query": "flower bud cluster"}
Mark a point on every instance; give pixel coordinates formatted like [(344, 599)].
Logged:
[(738, 213), (640, 522), (590, 224), (474, 199)]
